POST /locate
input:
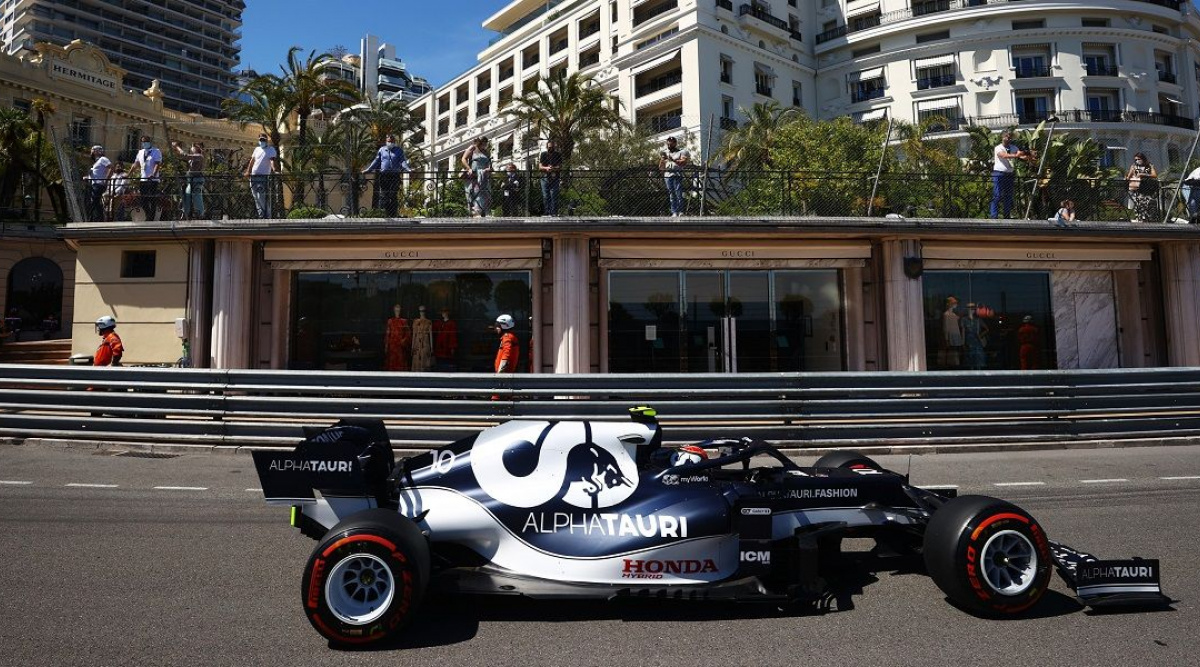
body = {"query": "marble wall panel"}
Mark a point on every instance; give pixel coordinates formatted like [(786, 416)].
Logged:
[(1084, 319)]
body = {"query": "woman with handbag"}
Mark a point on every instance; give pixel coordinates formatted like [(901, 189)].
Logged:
[(1143, 189)]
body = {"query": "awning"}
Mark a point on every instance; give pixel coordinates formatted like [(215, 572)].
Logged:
[(934, 105), (656, 62), (865, 8), (873, 114), (382, 255), (744, 249), (1036, 252), (865, 75), (936, 61), (764, 69)]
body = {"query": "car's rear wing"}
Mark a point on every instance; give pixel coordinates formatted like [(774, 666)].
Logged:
[(346, 459)]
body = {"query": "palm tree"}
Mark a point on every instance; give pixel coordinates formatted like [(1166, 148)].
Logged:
[(566, 109), (263, 102), (750, 145), (308, 88), (380, 117), (15, 157)]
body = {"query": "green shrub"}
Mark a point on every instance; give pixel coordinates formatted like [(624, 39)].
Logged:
[(306, 213)]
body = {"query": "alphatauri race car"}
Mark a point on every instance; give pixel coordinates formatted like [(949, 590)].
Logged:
[(601, 509)]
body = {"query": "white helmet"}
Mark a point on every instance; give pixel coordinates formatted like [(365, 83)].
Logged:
[(105, 322), (688, 454), (505, 322)]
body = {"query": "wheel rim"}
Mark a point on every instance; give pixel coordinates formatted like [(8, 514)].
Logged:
[(360, 589), (1009, 562)]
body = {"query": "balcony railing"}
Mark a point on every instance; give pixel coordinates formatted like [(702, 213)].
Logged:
[(795, 34), (725, 4), (1084, 116), (1102, 70), (1031, 71), (939, 81), (1167, 77), (664, 123), (864, 94), (763, 15), (728, 123), (762, 90), (937, 6), (659, 83)]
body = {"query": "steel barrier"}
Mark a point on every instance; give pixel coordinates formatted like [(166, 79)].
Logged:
[(250, 407)]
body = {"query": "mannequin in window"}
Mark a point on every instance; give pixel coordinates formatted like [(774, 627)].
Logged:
[(422, 342), (975, 332), (1028, 337), (952, 335), (445, 342), (397, 343)]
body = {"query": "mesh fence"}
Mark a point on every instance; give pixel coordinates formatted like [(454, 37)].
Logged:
[(632, 192)]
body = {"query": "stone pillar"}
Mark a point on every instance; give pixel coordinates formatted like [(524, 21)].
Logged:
[(1181, 301), (281, 318), (571, 298), (199, 304), (852, 302), (1131, 339), (904, 316), (232, 304)]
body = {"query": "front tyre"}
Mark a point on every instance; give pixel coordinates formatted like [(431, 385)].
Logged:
[(366, 578), (988, 556)]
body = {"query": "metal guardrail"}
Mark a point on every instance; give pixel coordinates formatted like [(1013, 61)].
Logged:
[(248, 407)]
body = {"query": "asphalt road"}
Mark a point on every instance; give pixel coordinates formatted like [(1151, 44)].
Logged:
[(116, 560)]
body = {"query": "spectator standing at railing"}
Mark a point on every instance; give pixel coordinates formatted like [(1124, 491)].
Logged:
[(1191, 196), (550, 164), (389, 163), (477, 161), (114, 193), (671, 162), (193, 189), (1143, 189), (97, 183), (510, 188), (1003, 175), (148, 163), (259, 170)]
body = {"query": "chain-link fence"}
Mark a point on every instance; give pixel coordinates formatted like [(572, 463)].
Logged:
[(632, 192)]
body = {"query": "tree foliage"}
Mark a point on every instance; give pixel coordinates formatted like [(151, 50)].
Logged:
[(567, 109)]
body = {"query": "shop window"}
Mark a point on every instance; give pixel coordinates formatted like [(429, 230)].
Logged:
[(138, 263), (989, 320), (341, 319)]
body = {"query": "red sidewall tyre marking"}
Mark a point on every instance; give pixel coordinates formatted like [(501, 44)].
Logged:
[(317, 606)]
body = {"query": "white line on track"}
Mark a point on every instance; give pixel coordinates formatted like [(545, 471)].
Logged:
[(181, 488), (92, 486), (1103, 481), (255, 490), (1181, 477), (1020, 484), (939, 486), (13, 482)]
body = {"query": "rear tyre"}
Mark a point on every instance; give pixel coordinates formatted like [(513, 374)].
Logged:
[(847, 458), (366, 578), (988, 556)]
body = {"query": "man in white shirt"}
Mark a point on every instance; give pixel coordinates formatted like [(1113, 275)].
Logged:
[(97, 181), (148, 162), (259, 170), (671, 162), (1003, 175), (1191, 195)]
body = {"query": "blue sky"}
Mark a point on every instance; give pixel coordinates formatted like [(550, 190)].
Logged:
[(437, 39)]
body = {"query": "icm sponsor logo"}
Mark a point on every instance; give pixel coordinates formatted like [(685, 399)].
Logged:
[(756, 511), (566, 464), (763, 557), (443, 461), (655, 569), (607, 524), (289, 465)]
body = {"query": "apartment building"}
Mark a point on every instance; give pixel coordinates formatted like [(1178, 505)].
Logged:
[(189, 46), (1124, 71)]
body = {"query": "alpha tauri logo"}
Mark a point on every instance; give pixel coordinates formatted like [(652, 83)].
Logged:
[(289, 465), (527, 464)]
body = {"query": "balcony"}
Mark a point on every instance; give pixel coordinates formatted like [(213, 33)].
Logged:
[(659, 83), (1085, 116), (936, 6), (1101, 70), (1167, 77), (663, 123), (938, 81), (864, 94), (761, 14), (1032, 71), (795, 34), (762, 90), (728, 123), (725, 4)]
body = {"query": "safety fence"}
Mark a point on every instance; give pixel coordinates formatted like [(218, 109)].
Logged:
[(632, 192), (245, 407)]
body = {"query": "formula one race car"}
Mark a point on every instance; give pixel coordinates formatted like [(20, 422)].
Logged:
[(592, 509)]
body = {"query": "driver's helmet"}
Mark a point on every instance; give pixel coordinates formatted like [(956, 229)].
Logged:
[(688, 454), (105, 322)]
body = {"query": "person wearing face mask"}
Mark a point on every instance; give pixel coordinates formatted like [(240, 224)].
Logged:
[(98, 181), (193, 190), (148, 163), (259, 170), (389, 162)]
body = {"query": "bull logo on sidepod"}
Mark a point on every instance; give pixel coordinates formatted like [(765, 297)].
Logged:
[(562, 462)]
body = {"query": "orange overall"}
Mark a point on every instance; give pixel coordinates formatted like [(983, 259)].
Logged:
[(509, 352), (110, 351)]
